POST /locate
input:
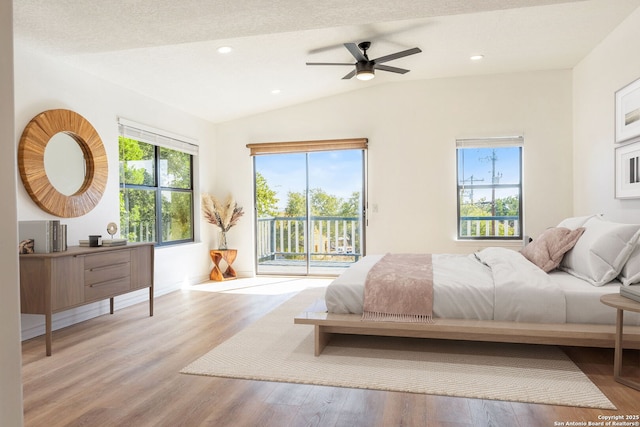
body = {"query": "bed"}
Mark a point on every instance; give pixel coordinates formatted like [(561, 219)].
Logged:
[(503, 295)]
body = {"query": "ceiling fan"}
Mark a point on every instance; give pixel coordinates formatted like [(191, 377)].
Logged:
[(365, 67)]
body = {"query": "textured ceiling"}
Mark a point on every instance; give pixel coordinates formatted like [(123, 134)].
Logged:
[(167, 50)]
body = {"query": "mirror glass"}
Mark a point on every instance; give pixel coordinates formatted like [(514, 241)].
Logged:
[(64, 163)]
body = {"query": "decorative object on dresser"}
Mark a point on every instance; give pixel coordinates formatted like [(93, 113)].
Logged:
[(223, 215), (58, 281), (114, 242), (47, 235), (31, 163), (112, 229), (25, 246), (95, 241)]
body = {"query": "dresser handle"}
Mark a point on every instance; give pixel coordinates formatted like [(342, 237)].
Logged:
[(106, 267), (107, 282)]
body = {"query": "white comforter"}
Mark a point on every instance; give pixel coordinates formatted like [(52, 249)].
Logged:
[(493, 284)]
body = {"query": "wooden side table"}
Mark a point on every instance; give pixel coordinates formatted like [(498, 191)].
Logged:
[(621, 304), (229, 256)]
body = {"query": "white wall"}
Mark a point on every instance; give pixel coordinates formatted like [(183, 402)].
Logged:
[(613, 64), (412, 127), (43, 83), (10, 348)]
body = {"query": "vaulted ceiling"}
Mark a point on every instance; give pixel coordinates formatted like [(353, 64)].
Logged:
[(167, 49)]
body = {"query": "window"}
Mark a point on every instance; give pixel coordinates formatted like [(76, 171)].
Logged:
[(489, 188), (156, 186)]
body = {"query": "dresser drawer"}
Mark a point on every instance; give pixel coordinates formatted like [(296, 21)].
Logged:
[(105, 259), (106, 289), (107, 274)]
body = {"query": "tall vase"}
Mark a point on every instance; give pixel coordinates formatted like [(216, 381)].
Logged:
[(222, 241)]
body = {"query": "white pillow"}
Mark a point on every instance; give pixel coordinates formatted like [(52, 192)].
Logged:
[(602, 251), (630, 273), (575, 222)]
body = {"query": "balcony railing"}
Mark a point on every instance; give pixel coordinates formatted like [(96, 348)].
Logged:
[(331, 238), (489, 227)]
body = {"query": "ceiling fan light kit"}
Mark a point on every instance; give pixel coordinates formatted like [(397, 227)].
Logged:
[(364, 71), (365, 67)]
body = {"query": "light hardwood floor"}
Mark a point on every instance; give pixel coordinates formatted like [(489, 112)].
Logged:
[(123, 370)]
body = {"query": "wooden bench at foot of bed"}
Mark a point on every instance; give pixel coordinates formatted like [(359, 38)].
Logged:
[(569, 334)]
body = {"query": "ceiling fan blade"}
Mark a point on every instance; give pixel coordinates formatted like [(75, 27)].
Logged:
[(350, 75), (355, 51), (391, 69), (329, 63), (397, 55)]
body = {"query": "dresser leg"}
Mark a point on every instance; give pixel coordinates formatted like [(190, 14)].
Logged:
[(150, 300), (47, 325), (111, 305)]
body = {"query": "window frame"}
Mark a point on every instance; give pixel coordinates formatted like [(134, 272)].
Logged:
[(307, 148), (490, 143), (161, 140)]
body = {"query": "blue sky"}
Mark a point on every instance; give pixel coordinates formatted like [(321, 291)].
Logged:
[(338, 173), (477, 163), (478, 167)]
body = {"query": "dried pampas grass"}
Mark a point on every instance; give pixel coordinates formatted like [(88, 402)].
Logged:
[(221, 214)]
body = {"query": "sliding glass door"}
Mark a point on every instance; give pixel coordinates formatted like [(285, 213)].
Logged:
[(309, 211), (281, 212)]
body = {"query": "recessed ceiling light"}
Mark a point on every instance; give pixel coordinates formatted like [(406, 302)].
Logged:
[(476, 57), (225, 49), (276, 91)]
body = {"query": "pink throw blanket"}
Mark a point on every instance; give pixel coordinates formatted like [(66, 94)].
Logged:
[(399, 288)]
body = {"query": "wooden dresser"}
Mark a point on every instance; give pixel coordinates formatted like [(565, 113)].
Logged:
[(58, 281)]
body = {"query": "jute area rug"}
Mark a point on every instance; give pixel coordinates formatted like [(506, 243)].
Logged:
[(275, 349)]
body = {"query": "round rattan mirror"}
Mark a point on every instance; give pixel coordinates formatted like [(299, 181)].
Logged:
[(33, 143)]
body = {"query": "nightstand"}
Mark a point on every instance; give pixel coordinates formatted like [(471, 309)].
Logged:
[(621, 304)]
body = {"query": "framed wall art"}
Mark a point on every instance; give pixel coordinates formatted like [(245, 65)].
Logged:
[(628, 112), (628, 171)]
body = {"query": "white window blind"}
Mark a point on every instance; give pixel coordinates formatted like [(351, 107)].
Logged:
[(497, 141), (161, 138)]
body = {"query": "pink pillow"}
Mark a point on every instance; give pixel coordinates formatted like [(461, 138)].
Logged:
[(548, 249)]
